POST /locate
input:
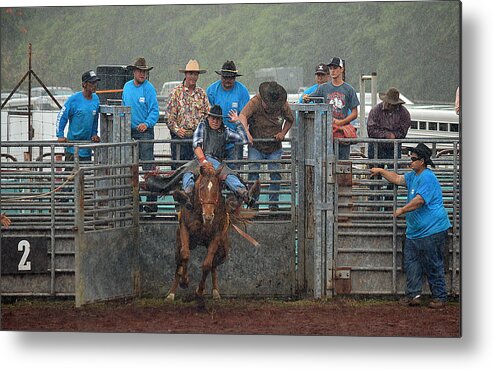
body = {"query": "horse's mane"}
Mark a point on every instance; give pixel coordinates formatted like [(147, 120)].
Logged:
[(208, 170)]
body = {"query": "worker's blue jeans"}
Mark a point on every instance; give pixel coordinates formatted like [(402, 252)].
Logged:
[(425, 257)]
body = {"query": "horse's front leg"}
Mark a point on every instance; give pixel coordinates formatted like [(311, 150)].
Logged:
[(184, 256), (215, 286), (207, 264)]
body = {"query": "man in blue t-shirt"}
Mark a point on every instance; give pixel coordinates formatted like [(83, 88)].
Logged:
[(321, 76), (141, 96), (230, 95), (427, 226), (342, 97), (81, 112)]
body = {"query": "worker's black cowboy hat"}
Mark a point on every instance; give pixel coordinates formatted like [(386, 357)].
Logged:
[(423, 152), (391, 97), (228, 70), (139, 63), (273, 94)]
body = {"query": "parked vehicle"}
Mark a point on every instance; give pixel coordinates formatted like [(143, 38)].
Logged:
[(40, 100)]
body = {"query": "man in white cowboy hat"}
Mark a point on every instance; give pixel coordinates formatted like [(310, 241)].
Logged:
[(427, 226), (230, 94), (187, 106), (141, 96), (388, 120), (266, 116), (342, 96)]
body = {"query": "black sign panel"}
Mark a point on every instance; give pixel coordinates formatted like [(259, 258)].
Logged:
[(24, 255)]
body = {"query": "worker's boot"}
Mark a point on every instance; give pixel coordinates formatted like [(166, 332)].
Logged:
[(183, 197)]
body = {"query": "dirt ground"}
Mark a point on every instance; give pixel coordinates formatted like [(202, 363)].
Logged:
[(335, 317)]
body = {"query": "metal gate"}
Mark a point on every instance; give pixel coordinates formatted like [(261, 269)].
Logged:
[(348, 240), (106, 214)]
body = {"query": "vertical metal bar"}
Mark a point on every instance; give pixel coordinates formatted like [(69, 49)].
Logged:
[(362, 107), (52, 221), (79, 224), (29, 112), (317, 252), (456, 202), (374, 89), (331, 205), (394, 229)]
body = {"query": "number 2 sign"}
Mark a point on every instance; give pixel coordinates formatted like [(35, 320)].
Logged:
[(21, 255)]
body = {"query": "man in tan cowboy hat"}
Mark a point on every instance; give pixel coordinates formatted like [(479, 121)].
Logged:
[(187, 106), (266, 115), (141, 96), (388, 120), (230, 94)]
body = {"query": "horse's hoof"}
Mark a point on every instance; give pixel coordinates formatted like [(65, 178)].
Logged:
[(216, 295), (170, 297)]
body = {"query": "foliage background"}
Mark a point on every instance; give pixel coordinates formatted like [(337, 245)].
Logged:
[(414, 46)]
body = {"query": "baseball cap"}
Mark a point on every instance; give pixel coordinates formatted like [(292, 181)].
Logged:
[(322, 68), (90, 76), (338, 62)]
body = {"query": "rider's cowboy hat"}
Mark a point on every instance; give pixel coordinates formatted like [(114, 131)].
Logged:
[(391, 97), (192, 66), (273, 94), (139, 63), (228, 69), (216, 111)]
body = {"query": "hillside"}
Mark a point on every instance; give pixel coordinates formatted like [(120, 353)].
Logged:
[(414, 46)]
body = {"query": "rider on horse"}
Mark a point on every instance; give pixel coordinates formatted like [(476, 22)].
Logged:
[(209, 144)]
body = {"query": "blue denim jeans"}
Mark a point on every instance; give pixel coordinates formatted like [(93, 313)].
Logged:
[(232, 182), (425, 257), (254, 154), (146, 151)]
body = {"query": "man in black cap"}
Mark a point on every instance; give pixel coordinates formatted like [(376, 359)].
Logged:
[(81, 112), (266, 116), (427, 227), (231, 95), (342, 96), (321, 76)]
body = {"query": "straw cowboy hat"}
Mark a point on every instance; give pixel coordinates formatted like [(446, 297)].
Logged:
[(192, 66), (228, 70), (391, 97), (273, 94), (139, 63)]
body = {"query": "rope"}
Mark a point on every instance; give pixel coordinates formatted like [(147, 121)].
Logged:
[(44, 194)]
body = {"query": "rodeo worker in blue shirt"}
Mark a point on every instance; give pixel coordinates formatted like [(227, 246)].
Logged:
[(141, 96), (427, 226), (230, 95), (81, 112)]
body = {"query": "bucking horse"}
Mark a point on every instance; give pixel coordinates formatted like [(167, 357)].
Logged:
[(206, 223)]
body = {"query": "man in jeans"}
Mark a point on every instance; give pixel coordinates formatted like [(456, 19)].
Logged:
[(266, 116), (427, 226), (141, 96)]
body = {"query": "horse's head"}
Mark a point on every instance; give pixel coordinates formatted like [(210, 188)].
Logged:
[(208, 192)]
